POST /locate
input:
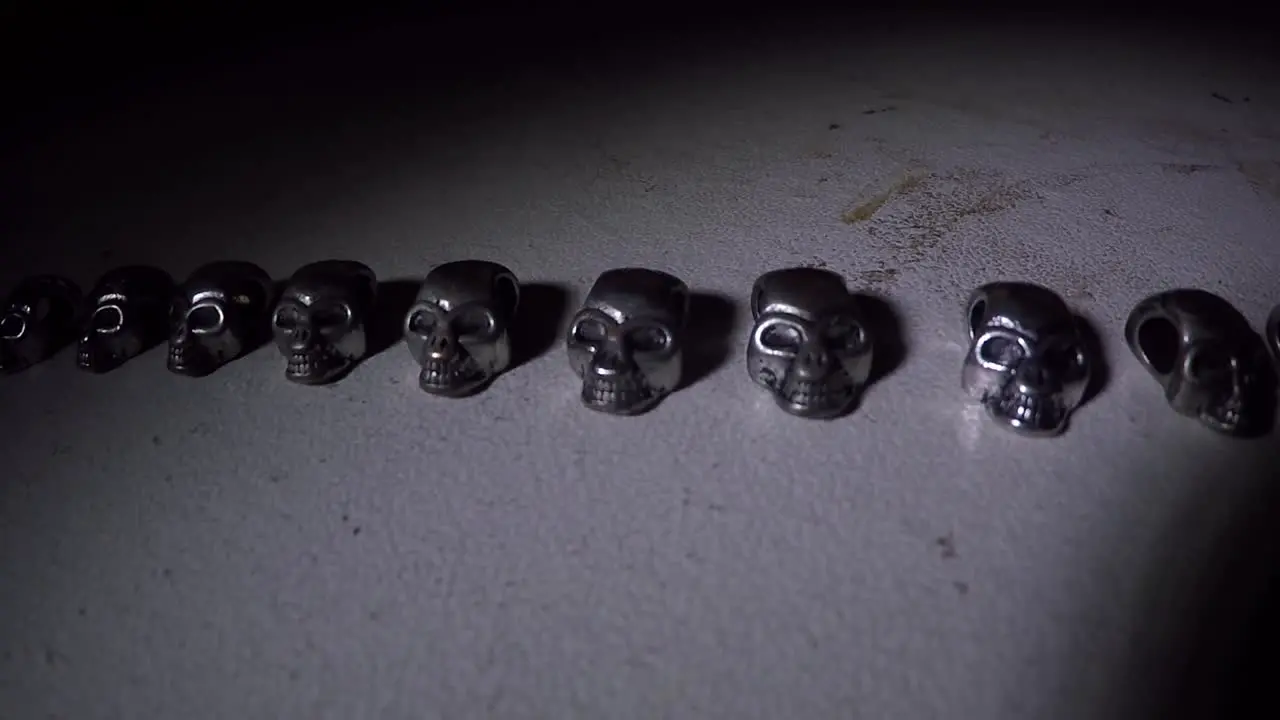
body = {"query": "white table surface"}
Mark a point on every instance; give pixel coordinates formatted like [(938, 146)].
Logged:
[(238, 546)]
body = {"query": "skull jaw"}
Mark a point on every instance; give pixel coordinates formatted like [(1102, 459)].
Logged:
[(455, 378), (11, 361), (822, 399), (98, 360), (190, 361), (315, 366), (1233, 417), (626, 395), (1032, 415)]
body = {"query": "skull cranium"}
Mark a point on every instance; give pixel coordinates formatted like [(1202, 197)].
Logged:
[(1206, 356), (39, 318), (810, 346), (626, 343), (320, 320), (459, 327), (128, 315), (1027, 362), (218, 314)]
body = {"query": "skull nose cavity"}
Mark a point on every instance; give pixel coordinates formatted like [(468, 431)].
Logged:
[(440, 348), (1033, 378), (301, 337), (609, 365), (813, 363)]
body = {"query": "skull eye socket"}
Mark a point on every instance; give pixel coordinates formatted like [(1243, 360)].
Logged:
[(648, 338), (844, 332), (288, 318), (590, 332), (12, 327), (421, 322), (41, 309), (205, 319), (781, 337), (330, 317), (1000, 351), (472, 322), (1207, 362), (107, 319), (1158, 341)]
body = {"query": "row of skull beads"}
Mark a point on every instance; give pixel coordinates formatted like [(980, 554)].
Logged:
[(1028, 363)]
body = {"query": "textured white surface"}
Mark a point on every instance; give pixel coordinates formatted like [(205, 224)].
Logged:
[(241, 547)]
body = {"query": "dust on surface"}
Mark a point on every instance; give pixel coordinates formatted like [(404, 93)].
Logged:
[(1263, 176), (878, 277), (920, 210)]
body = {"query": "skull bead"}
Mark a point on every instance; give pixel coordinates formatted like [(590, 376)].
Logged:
[(39, 318), (626, 343), (1209, 360), (128, 315), (218, 314), (320, 321), (1027, 361), (810, 346), (458, 327)]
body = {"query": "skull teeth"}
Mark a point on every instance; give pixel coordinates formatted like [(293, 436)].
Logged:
[(448, 372), (1034, 412), (811, 394), (624, 391)]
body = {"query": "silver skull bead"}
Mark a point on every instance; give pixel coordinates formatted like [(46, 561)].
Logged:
[(626, 343), (128, 313), (1027, 361), (218, 313), (810, 346), (458, 329), (1205, 355), (38, 319), (320, 321)]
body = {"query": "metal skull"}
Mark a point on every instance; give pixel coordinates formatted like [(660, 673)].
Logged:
[(320, 321), (128, 312), (1203, 352), (1027, 361), (39, 318), (459, 326), (219, 313), (810, 346), (626, 343)]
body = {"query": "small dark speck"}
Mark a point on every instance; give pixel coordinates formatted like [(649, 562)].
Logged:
[(107, 254), (155, 440), (166, 573), (345, 517), (52, 657), (947, 545), (168, 479), (1246, 98), (324, 460), (1109, 212), (355, 530), (1220, 96), (275, 477), (833, 126), (82, 612), (961, 587), (873, 111), (714, 507)]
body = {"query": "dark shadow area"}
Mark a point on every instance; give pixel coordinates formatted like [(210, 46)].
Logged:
[(709, 336), (539, 321), (387, 327), (1100, 373), (1220, 654), (885, 324)]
